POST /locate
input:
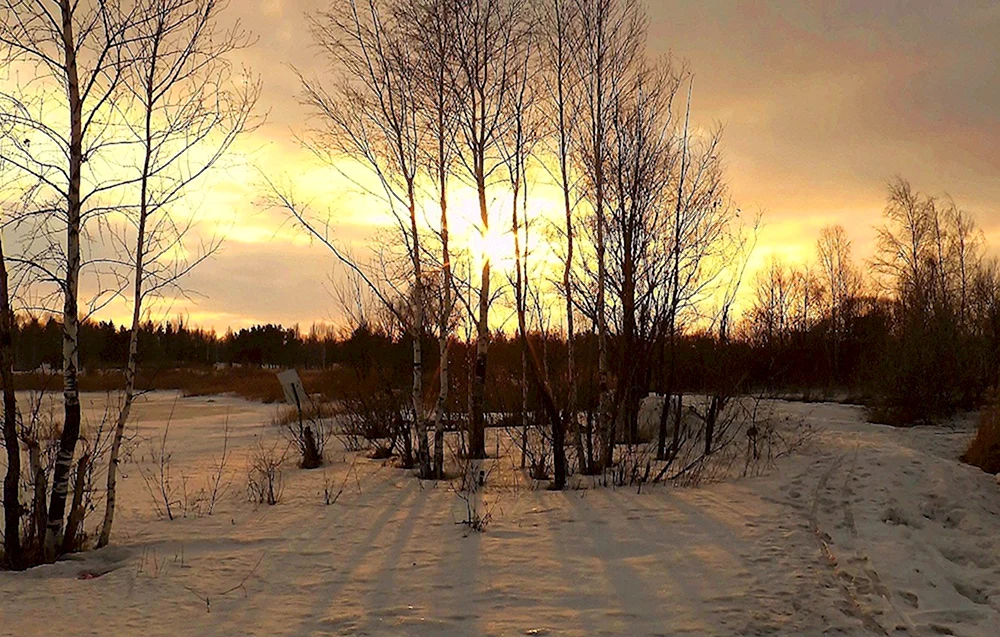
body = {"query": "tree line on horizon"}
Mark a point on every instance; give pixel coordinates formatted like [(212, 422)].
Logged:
[(913, 333)]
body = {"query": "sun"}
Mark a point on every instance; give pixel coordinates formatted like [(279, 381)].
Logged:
[(494, 246)]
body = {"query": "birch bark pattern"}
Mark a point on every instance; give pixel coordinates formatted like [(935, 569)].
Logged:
[(71, 344), (423, 450), (445, 319), (133, 344), (441, 43)]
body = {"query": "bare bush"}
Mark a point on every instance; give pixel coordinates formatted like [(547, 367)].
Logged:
[(371, 418), (330, 495), (159, 479), (632, 466), (749, 439), (172, 498), (308, 430), (474, 475), (39, 429), (529, 436), (264, 472), (221, 479)]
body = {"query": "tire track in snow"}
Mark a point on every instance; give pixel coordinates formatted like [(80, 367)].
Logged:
[(861, 555), (865, 614)]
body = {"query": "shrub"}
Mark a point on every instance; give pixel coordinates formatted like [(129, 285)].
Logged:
[(984, 450), (371, 415), (308, 432), (264, 473)]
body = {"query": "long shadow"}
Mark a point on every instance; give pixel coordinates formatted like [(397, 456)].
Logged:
[(705, 569), (388, 508), (455, 586), (299, 572), (687, 574), (634, 602), (753, 567), (578, 579), (383, 595)]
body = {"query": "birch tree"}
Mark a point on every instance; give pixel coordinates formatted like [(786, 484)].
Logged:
[(489, 35), (11, 483), (61, 131), (518, 144), (372, 116), (433, 24), (558, 41), (610, 34), (189, 109)]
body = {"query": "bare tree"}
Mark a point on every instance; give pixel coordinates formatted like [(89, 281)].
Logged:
[(372, 116), (964, 253), (434, 25), (78, 53), (774, 303), (675, 295), (641, 164), (727, 384), (906, 243), (489, 34), (518, 146), (188, 112), (707, 231), (11, 483), (842, 282), (609, 39), (926, 250), (559, 20)]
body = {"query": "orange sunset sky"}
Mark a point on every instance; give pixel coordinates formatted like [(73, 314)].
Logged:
[(822, 103)]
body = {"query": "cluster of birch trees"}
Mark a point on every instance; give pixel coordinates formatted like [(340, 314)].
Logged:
[(505, 98), (110, 111)]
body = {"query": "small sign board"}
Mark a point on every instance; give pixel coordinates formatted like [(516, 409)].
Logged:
[(291, 384)]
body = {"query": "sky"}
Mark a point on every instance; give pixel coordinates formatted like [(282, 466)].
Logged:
[(822, 103)]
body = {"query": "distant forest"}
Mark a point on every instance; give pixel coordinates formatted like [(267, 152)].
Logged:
[(915, 336)]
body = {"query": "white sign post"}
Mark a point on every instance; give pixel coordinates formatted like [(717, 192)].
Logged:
[(291, 384)]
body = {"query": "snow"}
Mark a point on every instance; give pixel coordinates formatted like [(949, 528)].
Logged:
[(868, 530)]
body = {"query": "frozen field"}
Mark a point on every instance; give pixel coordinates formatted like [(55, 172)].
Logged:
[(869, 530)]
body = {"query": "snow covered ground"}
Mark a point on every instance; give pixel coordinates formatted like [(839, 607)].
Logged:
[(868, 530)]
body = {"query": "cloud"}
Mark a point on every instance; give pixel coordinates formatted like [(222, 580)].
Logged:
[(822, 102)]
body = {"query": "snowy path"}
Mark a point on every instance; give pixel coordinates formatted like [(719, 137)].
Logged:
[(913, 535), (871, 531)]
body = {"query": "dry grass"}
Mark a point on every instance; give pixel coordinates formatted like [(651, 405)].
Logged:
[(260, 385), (984, 450), (256, 384), (311, 412)]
